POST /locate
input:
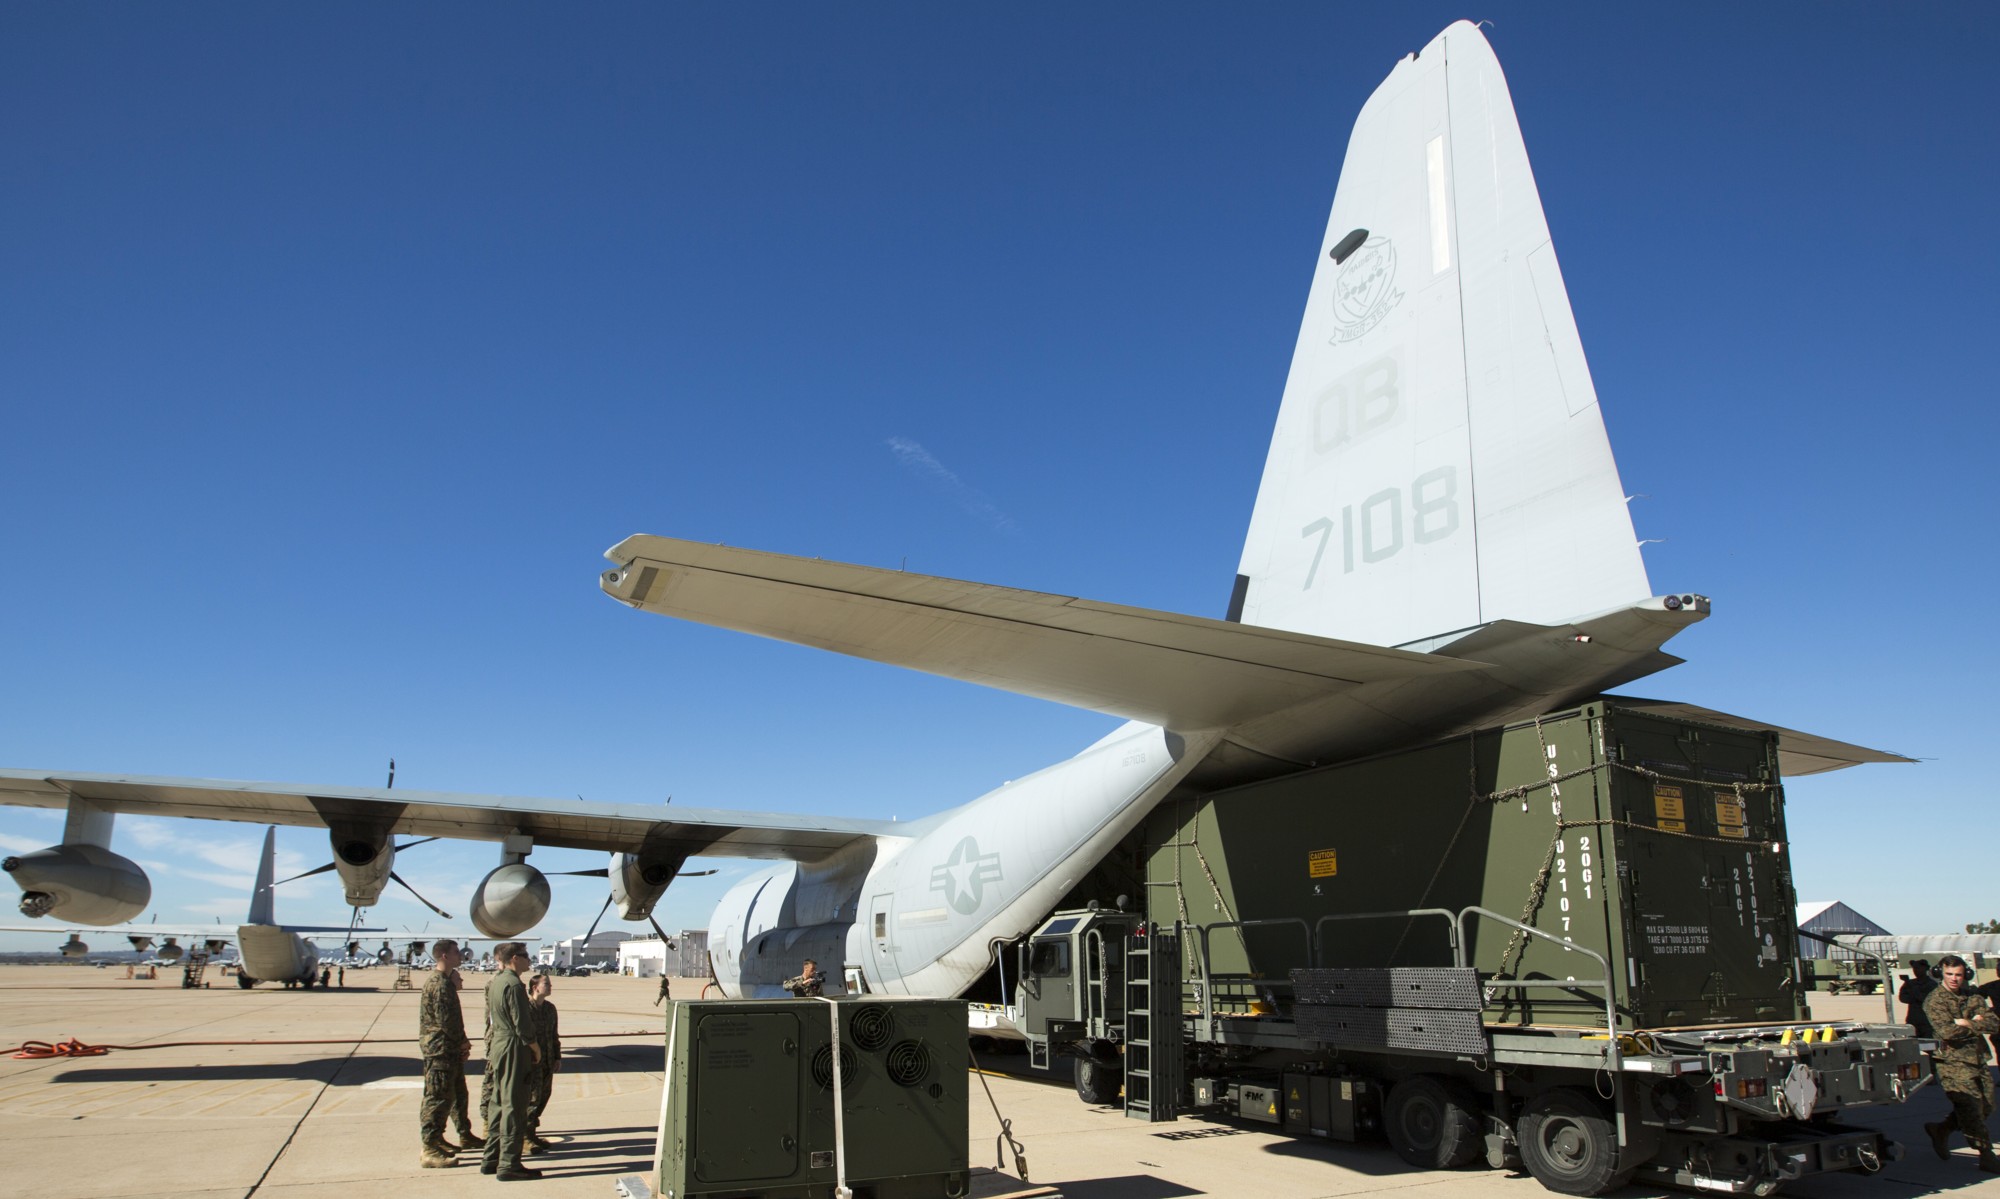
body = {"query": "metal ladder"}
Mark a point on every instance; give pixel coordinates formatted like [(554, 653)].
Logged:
[(1153, 1052), (192, 972), (403, 982)]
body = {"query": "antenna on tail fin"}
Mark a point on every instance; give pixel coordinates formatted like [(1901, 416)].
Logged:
[(1439, 461)]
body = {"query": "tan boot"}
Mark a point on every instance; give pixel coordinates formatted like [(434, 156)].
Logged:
[(1940, 1133), (435, 1158), (1988, 1162), (470, 1141)]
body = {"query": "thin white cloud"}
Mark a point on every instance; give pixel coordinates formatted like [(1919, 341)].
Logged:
[(923, 464), (20, 844)]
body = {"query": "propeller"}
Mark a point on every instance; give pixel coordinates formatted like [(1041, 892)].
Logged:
[(398, 880), (335, 865)]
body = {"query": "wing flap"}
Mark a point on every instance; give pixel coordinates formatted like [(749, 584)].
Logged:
[(1179, 672), (1799, 753), (562, 824)]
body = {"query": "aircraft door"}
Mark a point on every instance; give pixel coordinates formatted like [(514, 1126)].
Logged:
[(882, 968)]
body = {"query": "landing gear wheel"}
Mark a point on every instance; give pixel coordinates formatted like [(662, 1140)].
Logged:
[(1097, 1081), (245, 981), (1432, 1124), (1569, 1144)]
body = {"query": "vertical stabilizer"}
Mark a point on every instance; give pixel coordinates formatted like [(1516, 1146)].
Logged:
[(262, 907), (1439, 460)]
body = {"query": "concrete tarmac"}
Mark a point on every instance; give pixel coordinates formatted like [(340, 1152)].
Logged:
[(221, 1106)]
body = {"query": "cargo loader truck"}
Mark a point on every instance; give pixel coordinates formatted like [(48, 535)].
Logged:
[(1566, 945)]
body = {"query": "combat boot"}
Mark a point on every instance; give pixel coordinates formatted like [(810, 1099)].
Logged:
[(437, 1158), (470, 1141), (1988, 1162), (534, 1144), (1940, 1133)]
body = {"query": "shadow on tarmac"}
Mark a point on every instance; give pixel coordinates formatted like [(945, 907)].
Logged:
[(1126, 1186), (353, 1072)]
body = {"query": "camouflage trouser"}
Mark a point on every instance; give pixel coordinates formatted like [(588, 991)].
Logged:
[(444, 1098), (544, 1080), (1970, 1089)]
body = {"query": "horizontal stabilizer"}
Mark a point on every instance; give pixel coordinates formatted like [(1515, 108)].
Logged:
[(1798, 753), (1178, 672), (560, 823)]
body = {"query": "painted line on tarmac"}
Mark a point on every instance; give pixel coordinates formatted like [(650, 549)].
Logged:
[(323, 1088)]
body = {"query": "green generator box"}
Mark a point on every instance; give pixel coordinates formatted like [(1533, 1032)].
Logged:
[(749, 1103), (1653, 842)]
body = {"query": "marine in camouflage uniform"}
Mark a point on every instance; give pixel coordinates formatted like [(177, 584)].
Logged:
[(1960, 1017), (510, 1063), (806, 983), (548, 1037), (442, 1041)]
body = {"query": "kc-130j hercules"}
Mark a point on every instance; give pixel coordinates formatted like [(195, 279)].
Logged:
[(1440, 543)]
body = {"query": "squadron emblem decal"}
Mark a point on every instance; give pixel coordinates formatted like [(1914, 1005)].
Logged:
[(964, 876), (1364, 290)]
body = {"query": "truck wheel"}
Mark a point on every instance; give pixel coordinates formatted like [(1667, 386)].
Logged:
[(1097, 1082), (1569, 1144), (245, 981), (1431, 1124)]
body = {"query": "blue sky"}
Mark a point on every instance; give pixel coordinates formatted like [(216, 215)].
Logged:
[(337, 344)]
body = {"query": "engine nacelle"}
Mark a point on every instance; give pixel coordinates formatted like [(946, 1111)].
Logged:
[(169, 952), (510, 901), (87, 884), (74, 947), (363, 856), (638, 880)]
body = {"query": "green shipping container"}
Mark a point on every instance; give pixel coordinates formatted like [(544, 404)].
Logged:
[(1657, 843)]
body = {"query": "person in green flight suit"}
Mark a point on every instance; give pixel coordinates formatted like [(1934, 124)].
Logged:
[(511, 1058), (549, 1039), (441, 1039), (1961, 1017)]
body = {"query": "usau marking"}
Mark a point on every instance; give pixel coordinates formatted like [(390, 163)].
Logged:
[(1373, 530)]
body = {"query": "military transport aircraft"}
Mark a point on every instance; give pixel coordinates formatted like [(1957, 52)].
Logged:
[(268, 951), (1440, 543)]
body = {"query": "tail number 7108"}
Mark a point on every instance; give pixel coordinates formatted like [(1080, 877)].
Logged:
[(1373, 530)]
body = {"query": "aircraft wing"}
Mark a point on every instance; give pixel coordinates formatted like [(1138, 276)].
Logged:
[(192, 932), (1179, 672), (1798, 753), (560, 823)]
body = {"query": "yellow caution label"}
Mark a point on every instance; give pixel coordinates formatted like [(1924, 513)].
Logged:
[(1669, 808), (1729, 817), (1321, 863), (1273, 1111)]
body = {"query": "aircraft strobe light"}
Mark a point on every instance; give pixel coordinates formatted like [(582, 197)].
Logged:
[(510, 901), (84, 883)]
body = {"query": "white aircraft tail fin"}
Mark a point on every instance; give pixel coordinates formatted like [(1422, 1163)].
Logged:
[(1439, 460), (263, 907)]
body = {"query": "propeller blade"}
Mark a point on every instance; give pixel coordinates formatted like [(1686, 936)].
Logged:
[(398, 880), (694, 874), (664, 938), (413, 844), (600, 872), (308, 874), (596, 922)]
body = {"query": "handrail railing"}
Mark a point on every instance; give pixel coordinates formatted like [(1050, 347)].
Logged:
[(1614, 1058), (1450, 920), (1201, 937)]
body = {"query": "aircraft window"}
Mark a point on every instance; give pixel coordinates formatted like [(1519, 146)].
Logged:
[(1049, 959), (1058, 927)]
